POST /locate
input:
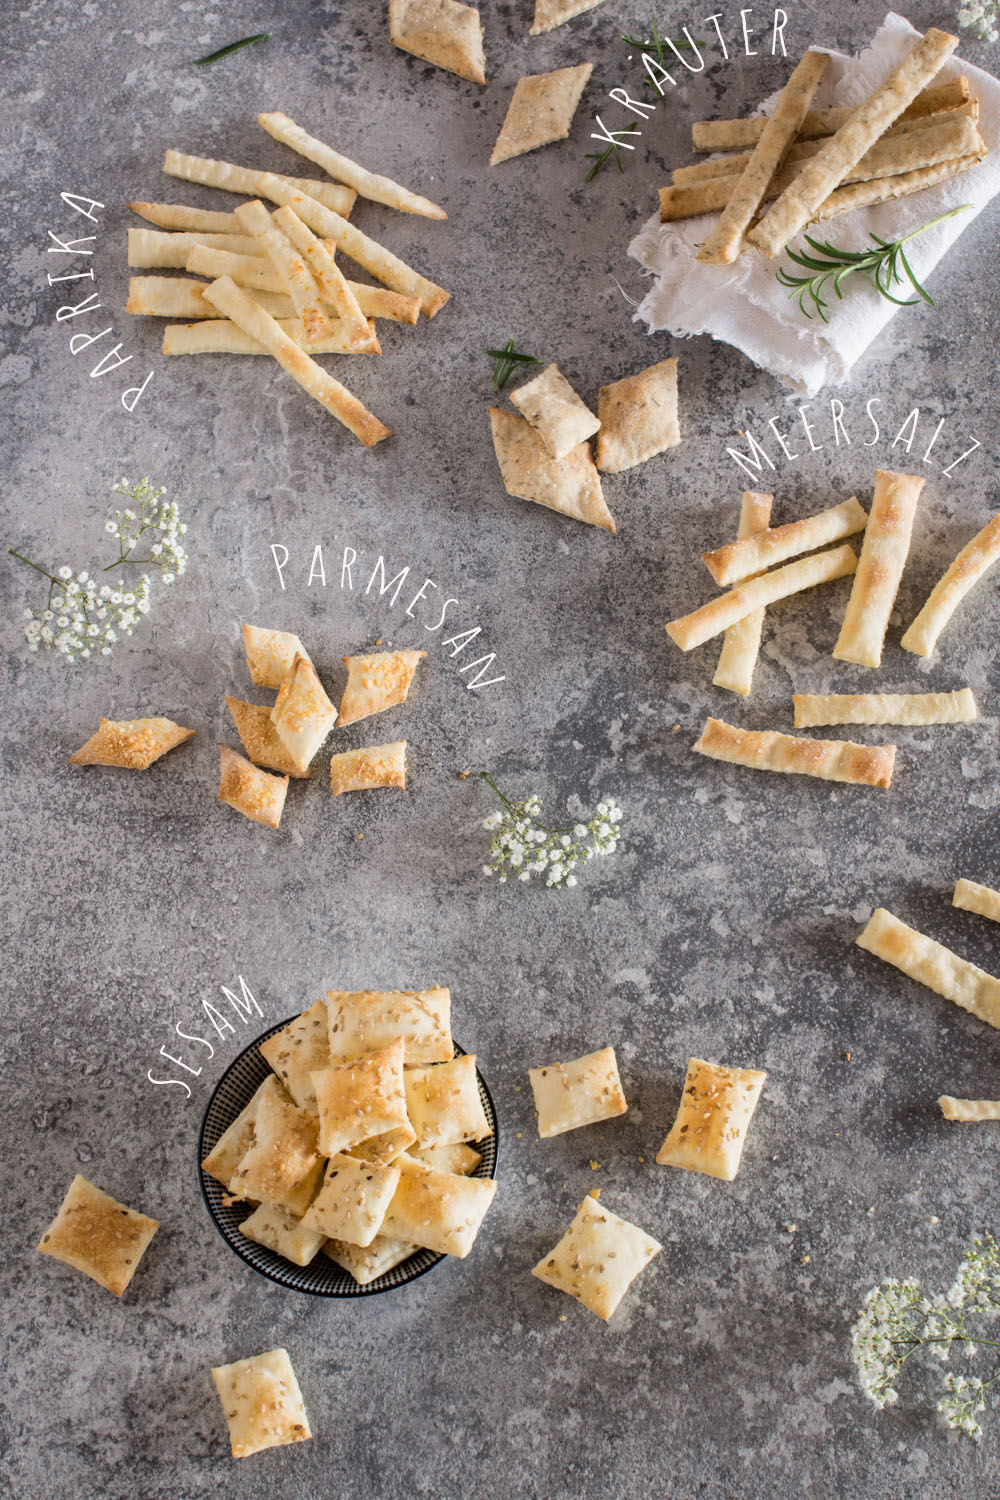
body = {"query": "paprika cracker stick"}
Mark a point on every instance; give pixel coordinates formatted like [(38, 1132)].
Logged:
[(969, 566), (254, 271), (880, 568), (741, 644), (254, 183), (368, 184), (155, 249), (969, 1109), (767, 750), (179, 297), (289, 266), (327, 274), (222, 336)]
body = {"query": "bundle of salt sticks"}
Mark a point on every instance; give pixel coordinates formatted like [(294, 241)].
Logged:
[(270, 280), (811, 165)]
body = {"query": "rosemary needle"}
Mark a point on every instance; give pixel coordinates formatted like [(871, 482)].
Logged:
[(884, 262), (601, 158), (507, 360), (247, 41)]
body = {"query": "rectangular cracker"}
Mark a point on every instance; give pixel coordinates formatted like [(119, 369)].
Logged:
[(978, 898), (969, 1109), (262, 1403), (741, 643), (298, 1050), (326, 273), (222, 336), (968, 567), (234, 303), (360, 1100), (932, 964), (282, 1164), (713, 1117), (361, 1021), (724, 242), (573, 1094), (284, 1233), (456, 1157), (254, 183), (570, 485), (598, 1258), (740, 134), (638, 417), (366, 1264), (767, 750), (352, 1200), (367, 184), (826, 171), (364, 770), (158, 250), (95, 1234), (559, 416), (235, 1141), (814, 709), (754, 554), (880, 567), (437, 1210), (443, 1103), (756, 593)]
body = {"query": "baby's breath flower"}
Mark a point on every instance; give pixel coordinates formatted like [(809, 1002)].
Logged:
[(525, 846)]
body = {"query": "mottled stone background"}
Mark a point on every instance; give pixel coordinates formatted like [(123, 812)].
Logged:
[(724, 928)]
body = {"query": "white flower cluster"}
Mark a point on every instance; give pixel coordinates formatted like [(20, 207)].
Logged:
[(523, 846), (884, 1336), (84, 617), (980, 17), (962, 1402)]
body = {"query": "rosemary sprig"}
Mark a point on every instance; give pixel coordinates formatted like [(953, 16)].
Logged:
[(885, 263), (247, 41), (655, 45), (601, 158), (507, 360)]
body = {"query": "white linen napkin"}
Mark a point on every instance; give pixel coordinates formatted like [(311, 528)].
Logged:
[(744, 304)]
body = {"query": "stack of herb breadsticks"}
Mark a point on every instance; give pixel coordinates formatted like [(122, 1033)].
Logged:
[(271, 283), (798, 166)]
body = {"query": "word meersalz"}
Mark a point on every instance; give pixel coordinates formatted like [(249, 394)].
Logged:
[(688, 55), (243, 1006), (111, 359), (798, 436), (363, 577)]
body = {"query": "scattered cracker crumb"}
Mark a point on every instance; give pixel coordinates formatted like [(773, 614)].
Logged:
[(562, 1317), (676, 727), (847, 1057), (360, 835), (595, 1166), (933, 1219), (594, 1193), (805, 1259), (790, 1228), (464, 775), (379, 641), (642, 1160), (520, 1135)]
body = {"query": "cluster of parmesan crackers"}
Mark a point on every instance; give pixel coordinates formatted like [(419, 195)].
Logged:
[(748, 565), (810, 165), (450, 35), (275, 285), (359, 1144), (285, 736), (601, 1254), (544, 454)]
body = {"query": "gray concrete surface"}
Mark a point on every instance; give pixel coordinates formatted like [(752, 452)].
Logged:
[(723, 928)]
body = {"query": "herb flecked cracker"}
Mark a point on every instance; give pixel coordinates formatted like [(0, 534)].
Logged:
[(571, 485), (541, 110), (441, 32), (638, 417)]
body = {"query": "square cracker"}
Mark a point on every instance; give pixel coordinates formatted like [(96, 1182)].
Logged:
[(437, 1210), (256, 794), (361, 1021), (262, 1402), (376, 682), (297, 1050), (361, 1100), (302, 714), (441, 32), (237, 1138), (555, 411), (570, 1095), (260, 738), (283, 1164), (638, 417), (598, 1258), (715, 1111), (552, 13), (97, 1235), (443, 1102), (270, 654), (352, 1201), (571, 484), (457, 1158), (367, 1263), (131, 743), (541, 110), (284, 1233)]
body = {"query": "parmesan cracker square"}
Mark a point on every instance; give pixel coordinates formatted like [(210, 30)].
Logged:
[(256, 794), (570, 1095), (713, 1118), (262, 1402), (260, 739), (302, 714), (376, 682), (373, 766), (131, 743), (95, 1234), (598, 1258), (638, 417), (541, 110), (271, 654), (555, 411)]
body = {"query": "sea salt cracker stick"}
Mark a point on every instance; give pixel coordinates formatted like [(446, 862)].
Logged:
[(880, 568), (969, 1109), (741, 644), (857, 135), (767, 750), (932, 964), (756, 593), (812, 709), (978, 898), (969, 566), (752, 554), (724, 243)]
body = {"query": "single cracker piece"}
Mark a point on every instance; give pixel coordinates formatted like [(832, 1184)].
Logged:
[(981, 899), (364, 770), (443, 1102), (361, 1100), (571, 485), (283, 1162), (95, 1234), (298, 1050), (441, 32), (969, 566), (541, 110), (133, 744), (638, 417), (352, 1201), (260, 739), (969, 1109), (756, 593), (555, 411), (302, 715), (437, 1210), (725, 241), (366, 1264), (255, 184), (813, 709), (262, 1403), (254, 793), (238, 1136), (156, 250), (741, 644), (573, 1094), (271, 654), (221, 336), (767, 750), (552, 13), (598, 1258), (284, 1233), (880, 567), (376, 682), (932, 964), (712, 1121), (864, 194), (753, 554), (362, 1021), (456, 1157), (369, 184)]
